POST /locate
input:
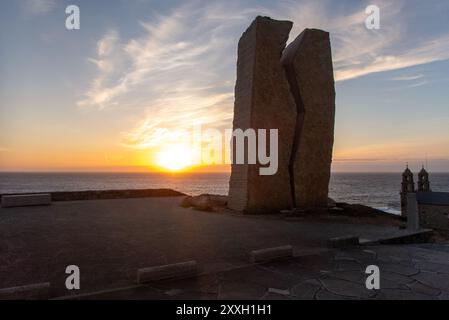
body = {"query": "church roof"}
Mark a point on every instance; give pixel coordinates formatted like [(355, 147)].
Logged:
[(433, 198), (423, 171), (407, 172)]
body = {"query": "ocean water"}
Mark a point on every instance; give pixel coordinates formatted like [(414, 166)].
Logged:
[(378, 190)]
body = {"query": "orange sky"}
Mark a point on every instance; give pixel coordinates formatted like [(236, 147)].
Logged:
[(121, 93)]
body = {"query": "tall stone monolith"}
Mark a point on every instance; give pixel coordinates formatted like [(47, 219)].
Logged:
[(263, 101), (290, 89), (308, 65)]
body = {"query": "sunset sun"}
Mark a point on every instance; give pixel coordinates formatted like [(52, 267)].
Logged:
[(174, 158)]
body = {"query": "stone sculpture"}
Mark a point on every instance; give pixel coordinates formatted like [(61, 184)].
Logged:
[(290, 89)]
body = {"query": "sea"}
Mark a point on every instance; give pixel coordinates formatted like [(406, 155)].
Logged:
[(378, 190)]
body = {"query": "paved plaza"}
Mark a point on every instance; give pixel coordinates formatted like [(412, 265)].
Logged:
[(110, 239)]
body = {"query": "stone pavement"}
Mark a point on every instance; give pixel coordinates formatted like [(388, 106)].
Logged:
[(110, 239), (407, 272)]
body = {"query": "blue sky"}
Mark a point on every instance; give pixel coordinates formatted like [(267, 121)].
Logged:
[(99, 95)]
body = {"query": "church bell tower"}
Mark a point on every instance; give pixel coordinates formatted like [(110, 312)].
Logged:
[(423, 181), (407, 186)]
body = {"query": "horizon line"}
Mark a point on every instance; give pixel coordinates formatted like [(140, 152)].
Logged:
[(187, 172)]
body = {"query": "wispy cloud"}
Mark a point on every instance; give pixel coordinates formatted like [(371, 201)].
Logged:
[(411, 83), (181, 70), (426, 52), (408, 77), (358, 51), (109, 62), (178, 73), (417, 84), (38, 7)]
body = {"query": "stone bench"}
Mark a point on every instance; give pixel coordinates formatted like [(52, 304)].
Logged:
[(24, 200), (28, 292), (345, 241), (168, 271), (270, 254)]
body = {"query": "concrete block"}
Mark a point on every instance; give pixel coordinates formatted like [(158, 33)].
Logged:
[(168, 271), (270, 254), (28, 292), (24, 200), (343, 241)]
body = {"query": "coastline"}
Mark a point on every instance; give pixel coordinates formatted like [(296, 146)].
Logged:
[(108, 194), (341, 209)]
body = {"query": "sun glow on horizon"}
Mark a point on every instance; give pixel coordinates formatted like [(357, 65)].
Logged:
[(175, 158)]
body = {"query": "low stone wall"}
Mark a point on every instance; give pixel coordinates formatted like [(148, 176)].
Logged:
[(113, 194), (25, 200)]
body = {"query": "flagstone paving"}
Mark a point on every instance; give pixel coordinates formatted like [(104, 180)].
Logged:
[(412, 276)]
